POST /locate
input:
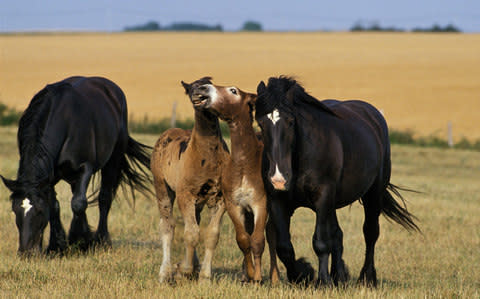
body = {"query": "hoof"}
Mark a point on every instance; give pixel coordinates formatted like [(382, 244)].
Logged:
[(303, 272)]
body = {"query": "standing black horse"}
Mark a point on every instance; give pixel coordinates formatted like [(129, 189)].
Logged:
[(324, 156), (71, 130)]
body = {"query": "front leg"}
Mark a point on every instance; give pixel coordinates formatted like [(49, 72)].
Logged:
[(324, 229), (80, 233), (186, 204), (211, 237), (258, 236), (298, 271), (58, 239)]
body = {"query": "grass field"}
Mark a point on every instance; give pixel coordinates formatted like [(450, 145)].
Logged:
[(441, 263), (419, 81)]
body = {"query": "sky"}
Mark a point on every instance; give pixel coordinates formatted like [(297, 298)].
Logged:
[(274, 15)]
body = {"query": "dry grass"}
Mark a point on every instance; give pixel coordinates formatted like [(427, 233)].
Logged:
[(420, 81), (441, 263)]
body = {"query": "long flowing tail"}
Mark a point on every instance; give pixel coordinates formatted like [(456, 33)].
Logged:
[(393, 210), (134, 168)]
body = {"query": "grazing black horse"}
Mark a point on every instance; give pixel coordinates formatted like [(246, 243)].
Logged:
[(324, 155), (70, 130)]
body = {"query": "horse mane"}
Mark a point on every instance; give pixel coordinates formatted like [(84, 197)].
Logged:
[(286, 93), (34, 155)]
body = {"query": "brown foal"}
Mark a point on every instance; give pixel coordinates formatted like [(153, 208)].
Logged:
[(187, 166), (244, 193)]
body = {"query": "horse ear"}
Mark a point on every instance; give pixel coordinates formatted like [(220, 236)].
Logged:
[(291, 94), (188, 87), (261, 87), (12, 185)]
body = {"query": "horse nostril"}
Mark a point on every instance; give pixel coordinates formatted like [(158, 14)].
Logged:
[(203, 88)]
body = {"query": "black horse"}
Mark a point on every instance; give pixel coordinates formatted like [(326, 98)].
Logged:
[(324, 155), (70, 130)]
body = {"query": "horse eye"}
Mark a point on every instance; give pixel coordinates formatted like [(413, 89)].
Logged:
[(233, 90)]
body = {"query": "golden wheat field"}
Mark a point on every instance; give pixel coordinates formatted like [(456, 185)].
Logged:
[(419, 81)]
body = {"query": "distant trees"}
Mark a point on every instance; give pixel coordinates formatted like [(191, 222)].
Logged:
[(252, 26), (149, 26), (437, 28), (374, 26), (187, 26)]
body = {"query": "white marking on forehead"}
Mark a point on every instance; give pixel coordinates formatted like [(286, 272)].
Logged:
[(274, 116), (26, 206)]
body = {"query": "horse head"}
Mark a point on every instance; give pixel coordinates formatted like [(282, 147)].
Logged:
[(227, 102), (30, 205), (275, 116)]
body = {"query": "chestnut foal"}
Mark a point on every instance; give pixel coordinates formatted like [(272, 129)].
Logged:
[(244, 193), (187, 166)]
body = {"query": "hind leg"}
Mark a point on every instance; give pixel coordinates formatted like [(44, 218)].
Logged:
[(338, 272), (165, 200), (79, 232), (108, 188), (211, 237), (371, 230)]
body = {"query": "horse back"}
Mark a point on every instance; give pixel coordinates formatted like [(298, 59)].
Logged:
[(87, 120), (350, 148)]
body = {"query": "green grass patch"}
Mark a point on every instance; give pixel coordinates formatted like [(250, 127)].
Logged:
[(145, 125)]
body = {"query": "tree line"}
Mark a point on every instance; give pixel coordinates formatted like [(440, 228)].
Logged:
[(190, 26), (375, 27)]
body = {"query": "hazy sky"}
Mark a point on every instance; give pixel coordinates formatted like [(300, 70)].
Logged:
[(110, 15)]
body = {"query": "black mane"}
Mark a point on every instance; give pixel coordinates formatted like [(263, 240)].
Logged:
[(33, 153), (286, 93)]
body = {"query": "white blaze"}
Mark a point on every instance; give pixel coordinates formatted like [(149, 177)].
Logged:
[(26, 206), (277, 176), (212, 93), (274, 116)]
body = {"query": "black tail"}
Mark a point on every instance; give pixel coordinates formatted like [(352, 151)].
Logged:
[(393, 210), (134, 168)]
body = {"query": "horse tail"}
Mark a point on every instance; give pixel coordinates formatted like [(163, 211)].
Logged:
[(394, 211), (134, 167)]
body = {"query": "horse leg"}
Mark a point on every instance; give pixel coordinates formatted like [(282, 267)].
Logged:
[(79, 232), (236, 213), (211, 237), (298, 271), (165, 200), (186, 204), (258, 238), (323, 236), (58, 239), (271, 240), (338, 271), (371, 231), (108, 188)]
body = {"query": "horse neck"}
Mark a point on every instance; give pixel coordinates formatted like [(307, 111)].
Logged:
[(246, 148), (205, 130), (35, 164)]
